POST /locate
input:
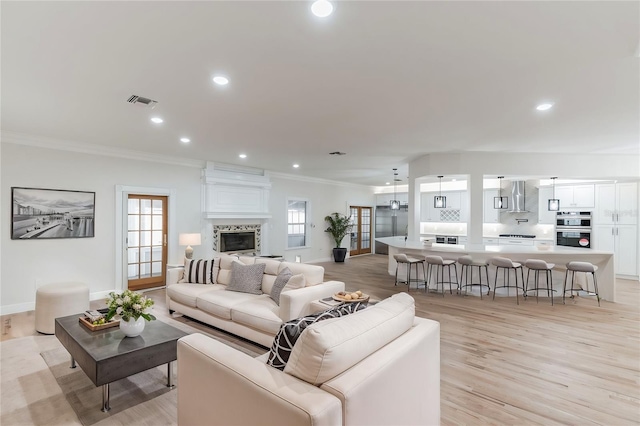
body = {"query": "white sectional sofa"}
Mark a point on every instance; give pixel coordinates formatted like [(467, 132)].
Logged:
[(378, 366), (256, 317)]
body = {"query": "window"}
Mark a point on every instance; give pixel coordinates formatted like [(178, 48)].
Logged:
[(296, 223)]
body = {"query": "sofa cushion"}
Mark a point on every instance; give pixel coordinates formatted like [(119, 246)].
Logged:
[(260, 313), (270, 273), (279, 283), (327, 348), (187, 294), (224, 274), (201, 271), (219, 303), (246, 278), (290, 331), (313, 274)]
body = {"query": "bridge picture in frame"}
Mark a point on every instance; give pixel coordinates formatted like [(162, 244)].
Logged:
[(51, 213)]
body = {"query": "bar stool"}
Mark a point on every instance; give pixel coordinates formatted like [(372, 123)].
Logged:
[(467, 263), (538, 265), (409, 261), (439, 264), (587, 268), (507, 265)]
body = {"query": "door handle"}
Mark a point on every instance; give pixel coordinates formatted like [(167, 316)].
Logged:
[(165, 240)]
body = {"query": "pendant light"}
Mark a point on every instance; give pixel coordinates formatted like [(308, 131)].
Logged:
[(554, 203), (500, 202), (395, 204), (440, 202)]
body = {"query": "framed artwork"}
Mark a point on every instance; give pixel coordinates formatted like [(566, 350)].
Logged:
[(51, 213)]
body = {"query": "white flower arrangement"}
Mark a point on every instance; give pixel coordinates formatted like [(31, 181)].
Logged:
[(128, 305)]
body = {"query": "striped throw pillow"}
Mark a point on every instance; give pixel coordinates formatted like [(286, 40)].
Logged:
[(201, 271)]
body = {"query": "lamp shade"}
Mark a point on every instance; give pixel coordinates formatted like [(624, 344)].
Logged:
[(189, 240)]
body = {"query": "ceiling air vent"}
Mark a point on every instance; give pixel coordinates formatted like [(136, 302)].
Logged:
[(135, 99), (337, 153)]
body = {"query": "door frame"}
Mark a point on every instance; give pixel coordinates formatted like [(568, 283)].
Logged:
[(371, 228), (121, 212)]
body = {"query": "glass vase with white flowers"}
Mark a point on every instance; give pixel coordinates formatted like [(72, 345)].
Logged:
[(129, 305)]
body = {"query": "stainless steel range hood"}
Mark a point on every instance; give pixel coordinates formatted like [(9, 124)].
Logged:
[(517, 197)]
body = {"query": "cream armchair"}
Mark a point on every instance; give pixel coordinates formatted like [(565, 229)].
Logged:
[(379, 366)]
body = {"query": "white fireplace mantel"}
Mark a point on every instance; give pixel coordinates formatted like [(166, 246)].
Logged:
[(234, 192)]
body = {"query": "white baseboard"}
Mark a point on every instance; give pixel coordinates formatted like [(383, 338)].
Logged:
[(17, 308)]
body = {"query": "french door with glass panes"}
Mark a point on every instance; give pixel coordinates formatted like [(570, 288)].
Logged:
[(360, 242), (146, 241)]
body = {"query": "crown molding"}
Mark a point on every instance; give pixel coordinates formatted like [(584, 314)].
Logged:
[(83, 148), (299, 178)]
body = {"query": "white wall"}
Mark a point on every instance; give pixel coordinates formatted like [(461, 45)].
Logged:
[(28, 264), (325, 198)]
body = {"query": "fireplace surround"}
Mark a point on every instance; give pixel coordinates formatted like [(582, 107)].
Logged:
[(237, 238)]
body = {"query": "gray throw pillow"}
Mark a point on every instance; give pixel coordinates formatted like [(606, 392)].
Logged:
[(290, 331), (281, 280), (246, 278)]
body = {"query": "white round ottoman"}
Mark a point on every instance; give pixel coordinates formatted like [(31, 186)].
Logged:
[(59, 300)]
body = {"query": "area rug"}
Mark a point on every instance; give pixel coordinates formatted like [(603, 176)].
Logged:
[(86, 399), (38, 388)]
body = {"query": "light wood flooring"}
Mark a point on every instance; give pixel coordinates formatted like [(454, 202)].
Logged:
[(503, 363)]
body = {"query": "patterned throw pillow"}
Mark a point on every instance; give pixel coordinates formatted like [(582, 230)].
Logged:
[(291, 330), (281, 280), (246, 278), (200, 271)]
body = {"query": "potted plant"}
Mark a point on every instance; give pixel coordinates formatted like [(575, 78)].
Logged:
[(130, 307), (339, 226)]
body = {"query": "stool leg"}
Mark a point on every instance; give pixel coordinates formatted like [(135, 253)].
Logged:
[(595, 285), (549, 277), (455, 269), (522, 280), (408, 277), (486, 270), (495, 283), (424, 278), (397, 266)]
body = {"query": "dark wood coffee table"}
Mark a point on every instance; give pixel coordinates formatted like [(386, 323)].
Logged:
[(107, 355)]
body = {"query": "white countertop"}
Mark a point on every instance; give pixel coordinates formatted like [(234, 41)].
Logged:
[(399, 242)]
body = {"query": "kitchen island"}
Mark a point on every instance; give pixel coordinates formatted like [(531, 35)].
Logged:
[(560, 256)]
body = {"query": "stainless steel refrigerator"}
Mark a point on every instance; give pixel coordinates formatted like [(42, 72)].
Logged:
[(390, 223)]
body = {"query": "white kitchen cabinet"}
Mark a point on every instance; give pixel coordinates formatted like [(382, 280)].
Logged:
[(546, 217), (616, 204), (456, 200), (385, 199), (576, 197), (622, 240), (516, 241), (491, 241), (491, 215)]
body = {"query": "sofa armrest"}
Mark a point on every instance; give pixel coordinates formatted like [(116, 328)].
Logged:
[(295, 303), (368, 390), (221, 384), (174, 275)]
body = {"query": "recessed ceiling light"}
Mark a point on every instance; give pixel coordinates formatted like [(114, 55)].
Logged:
[(185, 140), (295, 166), (544, 107), (157, 120), (321, 8), (242, 155), (220, 80), (387, 183)]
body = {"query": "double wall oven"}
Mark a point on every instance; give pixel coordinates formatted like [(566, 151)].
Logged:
[(573, 229)]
